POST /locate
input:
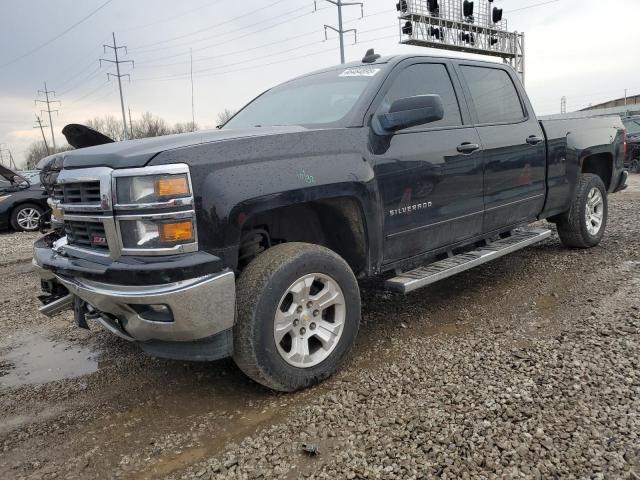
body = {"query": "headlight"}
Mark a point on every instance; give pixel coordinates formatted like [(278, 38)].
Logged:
[(150, 233), (4, 197), (151, 188)]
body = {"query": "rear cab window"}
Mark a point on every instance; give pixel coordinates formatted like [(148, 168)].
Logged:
[(494, 95)]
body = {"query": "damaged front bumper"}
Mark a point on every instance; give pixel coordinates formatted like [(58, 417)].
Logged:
[(187, 318)]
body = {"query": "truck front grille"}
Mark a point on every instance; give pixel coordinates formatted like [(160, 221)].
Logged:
[(85, 193), (86, 234)]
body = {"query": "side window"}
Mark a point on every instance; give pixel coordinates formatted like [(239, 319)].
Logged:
[(425, 79), (494, 94)]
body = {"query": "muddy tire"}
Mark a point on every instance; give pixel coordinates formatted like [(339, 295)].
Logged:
[(584, 224), (26, 217), (298, 316)]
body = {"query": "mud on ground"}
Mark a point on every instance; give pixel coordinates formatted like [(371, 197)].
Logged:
[(528, 366)]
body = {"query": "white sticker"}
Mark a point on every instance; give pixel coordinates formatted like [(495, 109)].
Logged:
[(360, 72)]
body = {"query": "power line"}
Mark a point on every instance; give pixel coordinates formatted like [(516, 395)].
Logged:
[(230, 32), (251, 67), (46, 93), (119, 76), (195, 32), (340, 30), (531, 6), (64, 32), (173, 17)]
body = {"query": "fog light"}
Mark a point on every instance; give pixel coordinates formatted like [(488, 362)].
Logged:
[(154, 313), (176, 232)]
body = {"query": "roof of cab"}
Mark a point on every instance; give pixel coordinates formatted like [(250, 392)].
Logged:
[(389, 60)]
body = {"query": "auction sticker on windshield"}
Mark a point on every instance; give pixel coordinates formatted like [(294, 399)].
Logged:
[(360, 72)]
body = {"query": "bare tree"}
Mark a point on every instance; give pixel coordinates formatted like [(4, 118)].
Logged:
[(225, 115), (37, 151), (185, 127), (107, 125), (150, 126)]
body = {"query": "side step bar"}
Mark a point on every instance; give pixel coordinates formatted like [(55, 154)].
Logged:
[(422, 276), (57, 306)]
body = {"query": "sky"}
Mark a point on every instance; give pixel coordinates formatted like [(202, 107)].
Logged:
[(581, 49)]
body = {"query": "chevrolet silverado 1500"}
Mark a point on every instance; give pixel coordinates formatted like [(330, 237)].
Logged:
[(247, 241)]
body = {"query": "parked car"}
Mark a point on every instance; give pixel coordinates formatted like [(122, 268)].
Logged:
[(247, 241), (23, 201), (632, 160)]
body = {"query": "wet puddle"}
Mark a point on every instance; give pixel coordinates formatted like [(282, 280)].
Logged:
[(28, 359)]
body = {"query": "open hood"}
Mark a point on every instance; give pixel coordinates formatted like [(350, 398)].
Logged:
[(9, 174), (81, 136)]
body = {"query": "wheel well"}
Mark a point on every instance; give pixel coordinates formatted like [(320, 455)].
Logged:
[(335, 223), (600, 164)]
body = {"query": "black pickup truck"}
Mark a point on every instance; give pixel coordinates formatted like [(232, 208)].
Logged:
[(247, 241)]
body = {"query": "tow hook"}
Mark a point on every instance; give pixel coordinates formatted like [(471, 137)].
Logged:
[(80, 312)]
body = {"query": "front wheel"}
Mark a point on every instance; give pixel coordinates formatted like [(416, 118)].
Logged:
[(26, 217), (584, 224), (298, 316)]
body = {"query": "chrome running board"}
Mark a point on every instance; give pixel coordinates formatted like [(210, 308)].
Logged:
[(428, 274), (57, 306)]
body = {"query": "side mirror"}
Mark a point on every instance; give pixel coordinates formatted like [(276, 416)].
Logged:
[(409, 112)]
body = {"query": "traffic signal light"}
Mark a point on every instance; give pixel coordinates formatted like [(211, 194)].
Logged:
[(438, 33), (407, 29), (401, 6), (497, 14), (467, 8), (468, 38)]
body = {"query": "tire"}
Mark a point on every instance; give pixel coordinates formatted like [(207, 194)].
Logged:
[(26, 217), (578, 227), (265, 290)]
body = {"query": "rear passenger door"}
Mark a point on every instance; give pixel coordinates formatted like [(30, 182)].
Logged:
[(513, 145), (429, 176)]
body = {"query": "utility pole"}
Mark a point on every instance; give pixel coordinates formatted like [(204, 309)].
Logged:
[(12, 164), (130, 123), (40, 126), (563, 105), (48, 109), (119, 76), (193, 114), (340, 31)]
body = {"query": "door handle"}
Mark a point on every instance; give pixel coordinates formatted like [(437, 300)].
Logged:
[(533, 140), (468, 147)]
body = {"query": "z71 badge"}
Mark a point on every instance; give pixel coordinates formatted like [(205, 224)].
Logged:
[(409, 209)]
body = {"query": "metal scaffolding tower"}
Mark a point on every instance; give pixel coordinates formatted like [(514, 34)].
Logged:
[(447, 25)]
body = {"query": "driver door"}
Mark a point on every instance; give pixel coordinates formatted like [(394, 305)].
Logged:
[(430, 177)]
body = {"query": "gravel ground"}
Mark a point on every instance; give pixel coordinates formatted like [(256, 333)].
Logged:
[(525, 367)]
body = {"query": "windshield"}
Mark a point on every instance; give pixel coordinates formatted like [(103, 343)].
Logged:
[(632, 126), (321, 99)]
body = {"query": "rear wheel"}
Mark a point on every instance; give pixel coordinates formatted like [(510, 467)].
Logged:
[(298, 316), (584, 224), (26, 217)]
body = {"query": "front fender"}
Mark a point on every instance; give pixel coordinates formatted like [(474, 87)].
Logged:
[(236, 179)]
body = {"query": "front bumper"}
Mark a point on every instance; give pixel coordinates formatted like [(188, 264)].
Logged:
[(201, 307)]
